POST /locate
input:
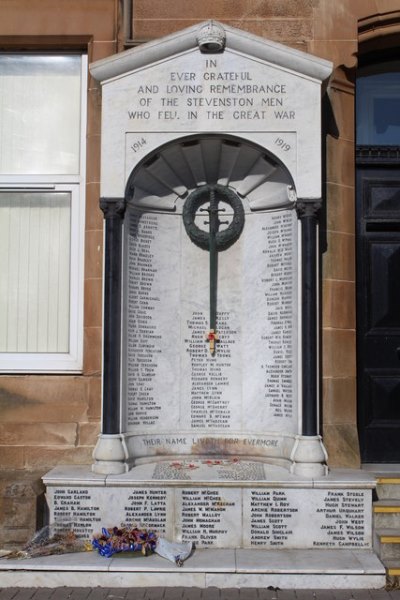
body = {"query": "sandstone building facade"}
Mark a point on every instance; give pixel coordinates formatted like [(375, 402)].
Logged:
[(51, 404)]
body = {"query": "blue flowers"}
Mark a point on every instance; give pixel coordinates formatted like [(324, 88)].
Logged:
[(124, 539)]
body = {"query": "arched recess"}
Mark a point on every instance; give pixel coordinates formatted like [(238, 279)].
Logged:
[(170, 297), (378, 237), (177, 168)]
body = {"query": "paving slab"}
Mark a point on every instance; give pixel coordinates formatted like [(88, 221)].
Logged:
[(43, 594), (193, 593), (155, 593), (8, 593), (211, 593), (135, 593), (174, 593), (230, 594), (97, 594), (61, 593)]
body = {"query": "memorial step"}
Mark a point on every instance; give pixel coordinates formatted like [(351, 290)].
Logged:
[(386, 520), (387, 543), (285, 569), (388, 486), (392, 567), (387, 513)]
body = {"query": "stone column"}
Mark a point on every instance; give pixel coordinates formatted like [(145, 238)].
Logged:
[(109, 454), (309, 455)]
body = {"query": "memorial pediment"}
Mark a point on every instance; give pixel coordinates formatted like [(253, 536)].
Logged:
[(259, 90)]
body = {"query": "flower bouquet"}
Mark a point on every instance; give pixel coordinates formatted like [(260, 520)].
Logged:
[(124, 539), (58, 538)]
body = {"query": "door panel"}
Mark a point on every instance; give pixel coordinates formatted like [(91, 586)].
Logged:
[(383, 257), (378, 312)]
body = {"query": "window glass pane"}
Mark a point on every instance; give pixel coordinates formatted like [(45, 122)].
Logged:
[(378, 104), (39, 114), (35, 236)]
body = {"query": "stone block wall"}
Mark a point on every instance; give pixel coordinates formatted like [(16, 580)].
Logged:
[(47, 420)]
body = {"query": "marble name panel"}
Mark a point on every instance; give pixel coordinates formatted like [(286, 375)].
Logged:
[(77, 508), (295, 518), (170, 380), (209, 517), (222, 515), (87, 510)]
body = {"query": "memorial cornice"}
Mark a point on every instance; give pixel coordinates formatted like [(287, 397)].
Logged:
[(237, 40)]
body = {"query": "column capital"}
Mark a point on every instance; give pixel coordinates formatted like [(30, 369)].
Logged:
[(308, 207), (113, 207)]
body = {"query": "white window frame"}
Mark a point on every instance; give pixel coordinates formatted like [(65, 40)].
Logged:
[(72, 361)]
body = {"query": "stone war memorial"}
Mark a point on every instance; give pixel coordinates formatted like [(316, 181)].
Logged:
[(211, 192)]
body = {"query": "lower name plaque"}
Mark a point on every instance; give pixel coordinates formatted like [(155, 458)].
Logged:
[(209, 517), (147, 508), (219, 512), (76, 509), (296, 518)]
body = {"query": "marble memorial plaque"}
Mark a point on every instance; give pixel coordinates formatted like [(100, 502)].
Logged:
[(222, 516), (148, 507), (246, 121), (171, 382), (76, 508), (88, 510), (295, 518), (209, 517), (152, 292)]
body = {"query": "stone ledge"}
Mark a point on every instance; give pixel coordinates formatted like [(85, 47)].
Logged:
[(326, 569), (143, 475)]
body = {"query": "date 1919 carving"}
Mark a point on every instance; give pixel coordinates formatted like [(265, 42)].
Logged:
[(282, 144)]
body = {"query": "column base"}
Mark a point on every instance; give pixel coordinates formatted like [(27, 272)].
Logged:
[(309, 457), (109, 455)]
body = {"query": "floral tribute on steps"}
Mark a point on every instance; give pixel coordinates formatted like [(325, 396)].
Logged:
[(134, 539), (124, 539)]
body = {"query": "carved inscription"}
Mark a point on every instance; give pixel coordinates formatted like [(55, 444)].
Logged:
[(270, 518), (208, 516), (298, 518), (209, 401), (221, 517), (343, 523), (215, 92), (143, 405), (74, 508), (280, 300), (170, 379), (147, 508), (270, 321)]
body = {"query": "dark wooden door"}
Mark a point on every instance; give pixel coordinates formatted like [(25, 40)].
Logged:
[(378, 309)]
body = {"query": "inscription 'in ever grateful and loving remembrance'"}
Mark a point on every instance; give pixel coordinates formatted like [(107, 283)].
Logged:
[(213, 92)]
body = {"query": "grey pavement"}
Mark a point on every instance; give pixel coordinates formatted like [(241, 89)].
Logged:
[(180, 593)]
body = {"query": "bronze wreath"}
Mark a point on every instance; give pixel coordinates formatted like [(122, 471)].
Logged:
[(201, 195)]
